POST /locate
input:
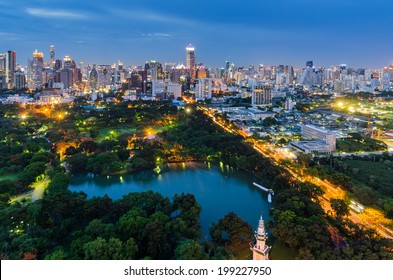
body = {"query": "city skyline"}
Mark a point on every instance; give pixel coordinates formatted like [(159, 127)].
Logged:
[(259, 33)]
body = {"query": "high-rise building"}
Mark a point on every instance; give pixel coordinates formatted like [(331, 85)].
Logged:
[(52, 56), (10, 68), (309, 77), (67, 78), (93, 78), (203, 88), (36, 67), (190, 62), (262, 95), (3, 84), (260, 251), (58, 65), (19, 80)]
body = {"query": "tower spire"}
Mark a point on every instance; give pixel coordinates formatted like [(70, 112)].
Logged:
[(259, 248)]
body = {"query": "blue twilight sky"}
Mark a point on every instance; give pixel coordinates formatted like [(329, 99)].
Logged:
[(356, 32)]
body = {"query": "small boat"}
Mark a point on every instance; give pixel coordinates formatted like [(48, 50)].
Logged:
[(269, 198)]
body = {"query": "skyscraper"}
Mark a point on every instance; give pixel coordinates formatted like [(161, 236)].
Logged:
[(36, 67), (3, 85), (190, 61), (10, 67), (203, 88), (93, 78), (262, 95), (52, 56)]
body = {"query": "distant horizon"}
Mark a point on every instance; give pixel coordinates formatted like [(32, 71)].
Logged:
[(289, 32)]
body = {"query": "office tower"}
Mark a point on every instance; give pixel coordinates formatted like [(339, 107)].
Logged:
[(52, 57), (174, 89), (67, 77), (104, 76), (309, 77), (262, 95), (68, 62), (58, 65), (93, 78), (203, 88), (48, 77), (138, 81), (10, 67), (154, 70), (36, 68), (190, 61), (3, 84), (19, 80)]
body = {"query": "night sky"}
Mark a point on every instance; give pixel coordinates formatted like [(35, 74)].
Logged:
[(356, 32)]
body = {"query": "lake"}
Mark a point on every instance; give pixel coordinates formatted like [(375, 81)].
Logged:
[(219, 189)]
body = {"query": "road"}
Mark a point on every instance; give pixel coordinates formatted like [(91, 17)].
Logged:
[(331, 191)]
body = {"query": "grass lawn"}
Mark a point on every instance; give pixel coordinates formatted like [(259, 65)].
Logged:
[(351, 145), (113, 133), (10, 177)]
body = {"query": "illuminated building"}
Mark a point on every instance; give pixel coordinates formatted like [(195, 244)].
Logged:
[(7, 69), (67, 77), (93, 78), (201, 72), (309, 77), (104, 76), (316, 133), (190, 62), (58, 65), (52, 56), (3, 84), (260, 251), (203, 88), (36, 67), (262, 95), (19, 80)]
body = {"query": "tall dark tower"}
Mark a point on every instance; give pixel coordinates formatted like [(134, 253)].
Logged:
[(10, 67), (52, 56), (190, 62)]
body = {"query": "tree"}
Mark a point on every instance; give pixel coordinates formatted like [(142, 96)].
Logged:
[(58, 254), (339, 206), (88, 146), (31, 171), (237, 229), (190, 250), (269, 121), (78, 163)]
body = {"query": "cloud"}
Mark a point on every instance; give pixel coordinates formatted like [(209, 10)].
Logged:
[(157, 35), (9, 36), (148, 15), (49, 13)]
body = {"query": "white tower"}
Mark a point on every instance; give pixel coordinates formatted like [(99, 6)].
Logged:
[(259, 248)]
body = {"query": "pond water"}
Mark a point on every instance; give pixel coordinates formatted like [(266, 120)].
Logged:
[(219, 189)]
